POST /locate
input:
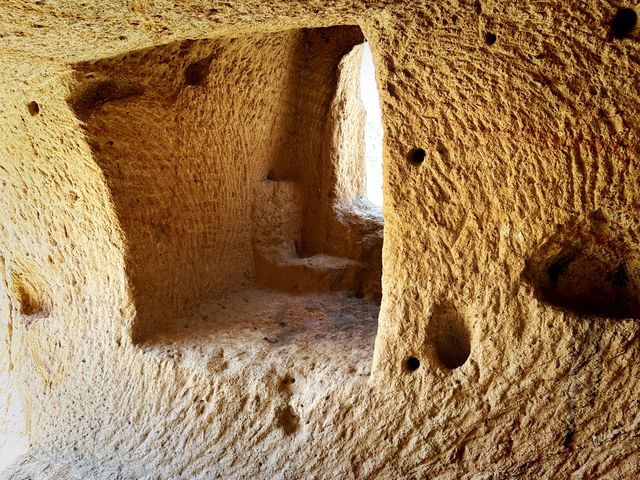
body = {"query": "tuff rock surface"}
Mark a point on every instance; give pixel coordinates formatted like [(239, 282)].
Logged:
[(190, 279)]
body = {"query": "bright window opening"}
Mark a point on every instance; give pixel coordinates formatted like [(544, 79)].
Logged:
[(372, 129)]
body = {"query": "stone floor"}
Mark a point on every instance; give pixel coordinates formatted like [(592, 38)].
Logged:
[(329, 331)]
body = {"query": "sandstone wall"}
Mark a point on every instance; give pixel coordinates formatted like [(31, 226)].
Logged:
[(508, 338), (13, 439)]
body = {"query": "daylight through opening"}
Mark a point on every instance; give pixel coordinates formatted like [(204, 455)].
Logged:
[(372, 129)]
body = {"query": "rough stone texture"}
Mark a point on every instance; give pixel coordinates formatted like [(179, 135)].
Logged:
[(13, 441), (510, 253)]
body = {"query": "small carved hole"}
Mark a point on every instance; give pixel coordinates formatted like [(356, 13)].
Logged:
[(34, 108), (197, 72), (624, 22), (412, 364), (416, 156), (490, 38)]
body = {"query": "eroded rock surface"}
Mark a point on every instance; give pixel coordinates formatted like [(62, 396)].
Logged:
[(190, 277)]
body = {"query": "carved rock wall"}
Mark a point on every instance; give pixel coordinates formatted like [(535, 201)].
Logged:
[(507, 339)]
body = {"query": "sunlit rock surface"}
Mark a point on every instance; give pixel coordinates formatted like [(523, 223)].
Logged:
[(195, 286)]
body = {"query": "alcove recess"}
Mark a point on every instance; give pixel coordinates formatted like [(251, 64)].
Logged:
[(590, 266), (236, 169)]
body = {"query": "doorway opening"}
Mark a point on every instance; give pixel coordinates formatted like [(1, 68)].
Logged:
[(239, 183)]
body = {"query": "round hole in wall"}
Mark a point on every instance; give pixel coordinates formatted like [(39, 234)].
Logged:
[(416, 156), (34, 108), (412, 364), (490, 38), (624, 22)]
